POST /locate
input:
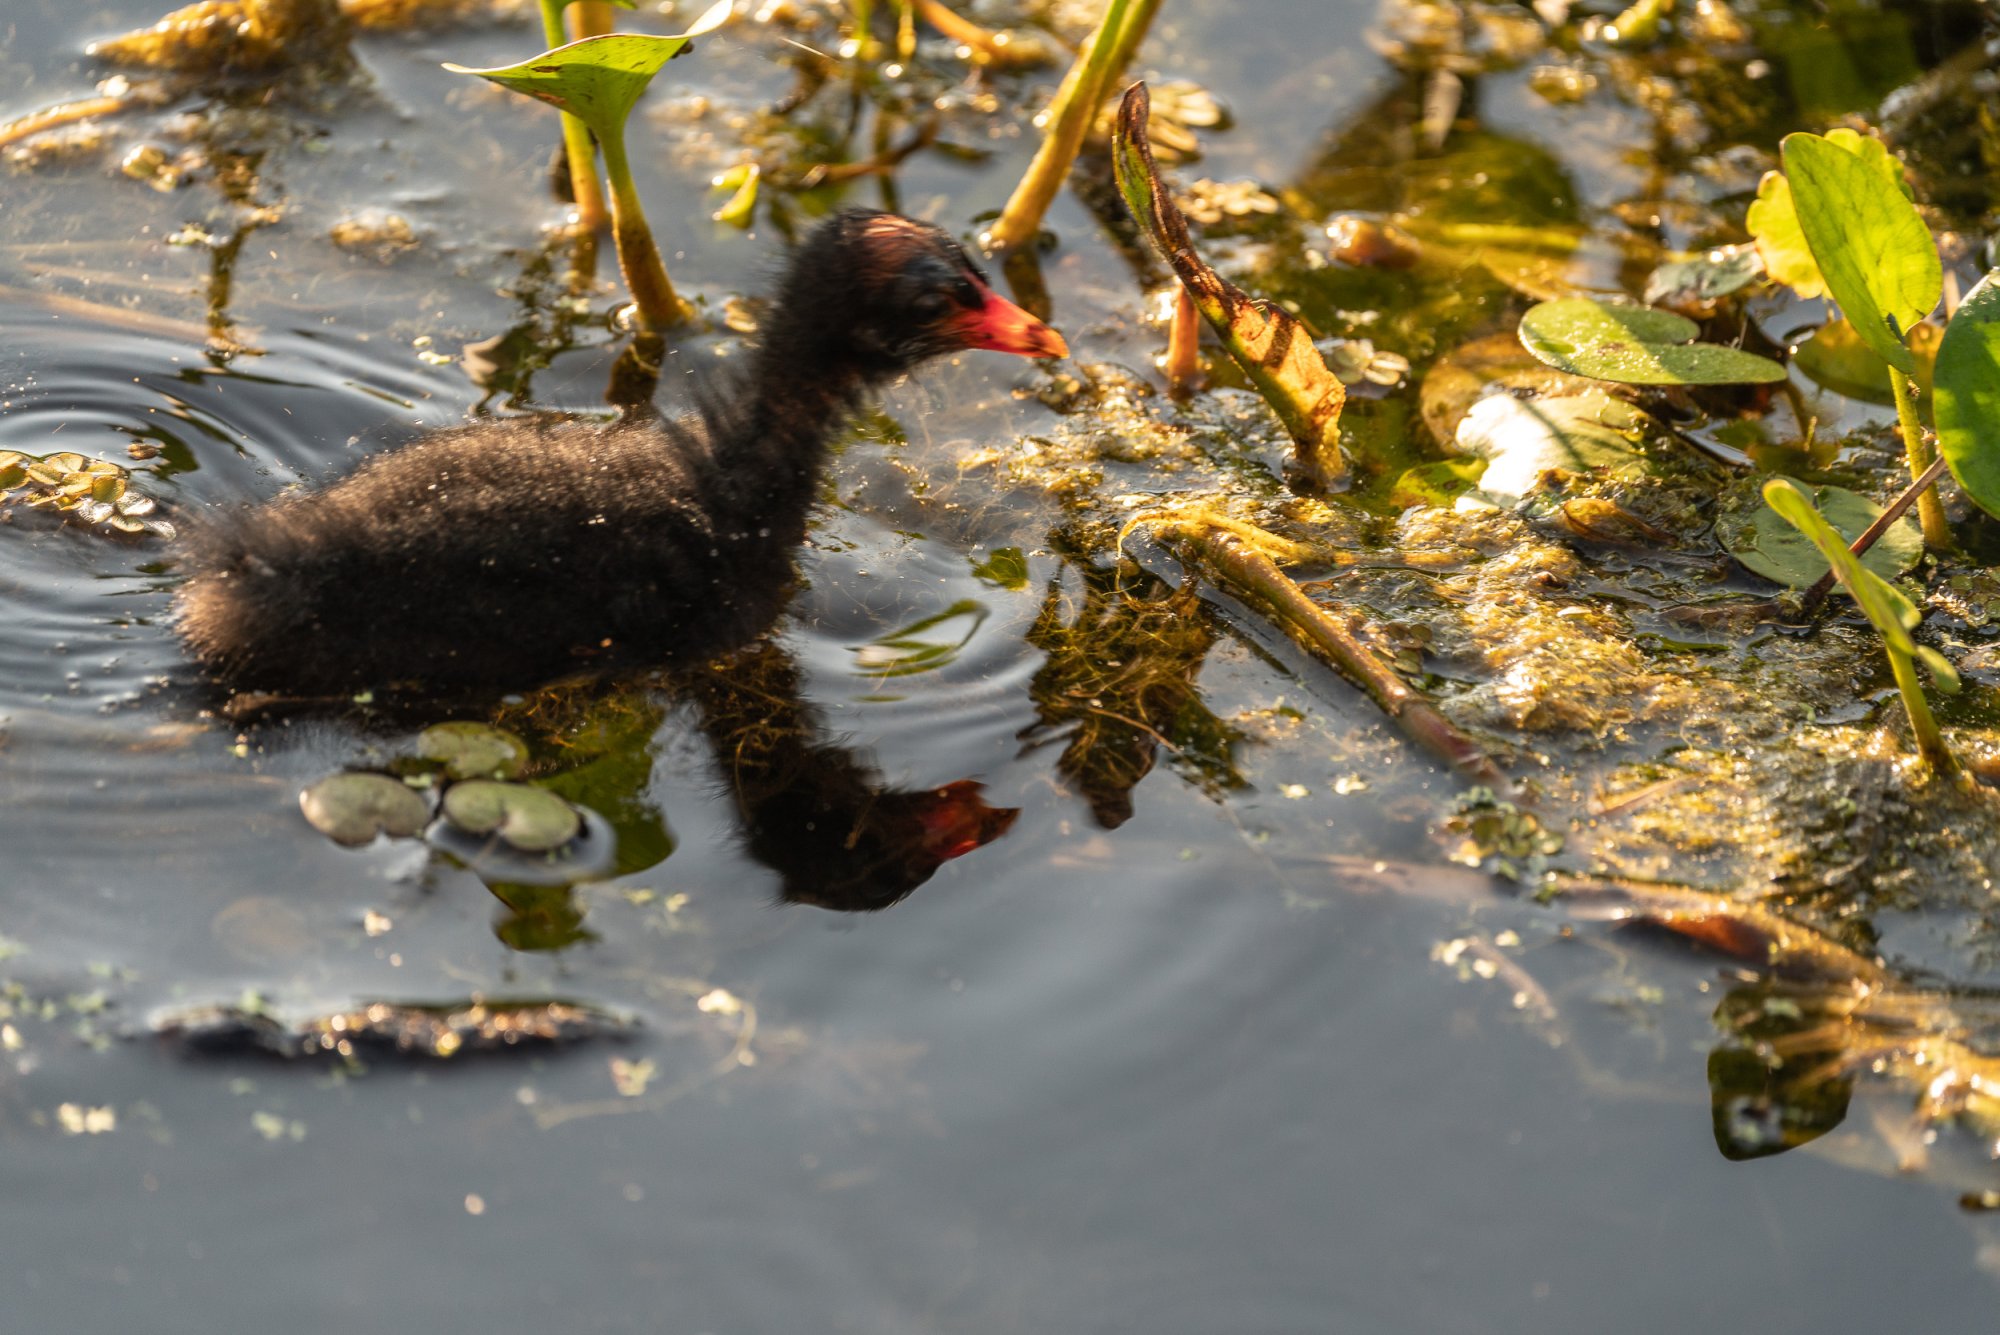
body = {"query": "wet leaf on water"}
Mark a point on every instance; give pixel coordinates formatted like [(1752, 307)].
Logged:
[(530, 819), (1892, 614), (1836, 358), (470, 750), (1635, 345), (1274, 349), (1006, 568), (1697, 284), (599, 79), (1874, 252), (351, 809), (1437, 484), (1968, 394), (1771, 546), (1526, 439)]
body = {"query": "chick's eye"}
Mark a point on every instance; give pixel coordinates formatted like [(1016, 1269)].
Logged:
[(929, 305)]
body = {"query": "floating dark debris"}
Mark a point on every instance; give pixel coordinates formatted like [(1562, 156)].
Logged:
[(388, 1029)]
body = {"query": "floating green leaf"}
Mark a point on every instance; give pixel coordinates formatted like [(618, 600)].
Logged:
[(1635, 345), (1274, 348), (531, 819), (1699, 282), (469, 750), (1006, 568), (1525, 439), (1875, 253), (1880, 601), (1771, 546), (1968, 394), (351, 809)]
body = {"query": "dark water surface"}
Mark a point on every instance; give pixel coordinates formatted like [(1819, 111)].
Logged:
[(1196, 1073)]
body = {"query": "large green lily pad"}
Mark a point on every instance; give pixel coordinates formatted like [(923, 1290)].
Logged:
[(1772, 546), (1635, 345)]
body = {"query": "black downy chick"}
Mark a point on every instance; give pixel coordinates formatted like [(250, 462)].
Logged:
[(508, 552)]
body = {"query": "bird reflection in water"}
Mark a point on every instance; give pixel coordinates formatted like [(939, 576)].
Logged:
[(814, 811)]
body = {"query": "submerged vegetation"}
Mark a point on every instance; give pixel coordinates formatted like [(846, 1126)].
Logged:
[(1558, 477)]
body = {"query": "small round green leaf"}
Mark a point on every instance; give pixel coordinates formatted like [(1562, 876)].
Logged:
[(470, 750), (531, 819), (1635, 345), (1771, 545), (1967, 388), (351, 809)]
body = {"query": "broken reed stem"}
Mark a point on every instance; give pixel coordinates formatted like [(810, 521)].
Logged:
[(1419, 719), (1069, 118), (1930, 510), (1183, 367), (1873, 533), (577, 147)]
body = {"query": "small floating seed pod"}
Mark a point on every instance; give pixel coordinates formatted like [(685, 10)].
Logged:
[(1368, 244)]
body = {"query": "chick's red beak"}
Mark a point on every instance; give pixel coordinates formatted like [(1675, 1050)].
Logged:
[(1005, 327)]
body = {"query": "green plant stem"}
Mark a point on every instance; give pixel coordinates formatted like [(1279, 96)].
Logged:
[(1413, 712), (1930, 510), (659, 306), (1138, 22), (864, 23), (1075, 106), (582, 155), (1930, 741)]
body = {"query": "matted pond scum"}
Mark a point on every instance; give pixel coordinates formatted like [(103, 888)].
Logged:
[(1420, 612)]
